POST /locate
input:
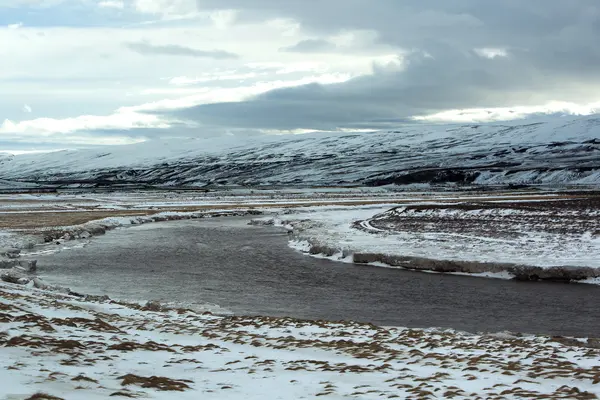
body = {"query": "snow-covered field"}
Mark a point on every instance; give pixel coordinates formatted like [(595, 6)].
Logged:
[(68, 348), (533, 238)]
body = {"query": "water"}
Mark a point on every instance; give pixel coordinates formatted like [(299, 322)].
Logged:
[(250, 270)]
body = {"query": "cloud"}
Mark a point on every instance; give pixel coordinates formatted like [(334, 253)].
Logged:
[(293, 65), (422, 85), (119, 5), (465, 54), (223, 19), (48, 127), (166, 7), (311, 46), (146, 48), (491, 52)]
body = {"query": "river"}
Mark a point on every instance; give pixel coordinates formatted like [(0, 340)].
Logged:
[(251, 270)]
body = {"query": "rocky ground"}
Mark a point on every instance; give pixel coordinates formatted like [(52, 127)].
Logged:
[(56, 346)]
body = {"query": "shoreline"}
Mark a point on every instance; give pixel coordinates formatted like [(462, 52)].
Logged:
[(537, 240), (23, 271), (106, 276), (527, 273), (301, 222), (312, 246)]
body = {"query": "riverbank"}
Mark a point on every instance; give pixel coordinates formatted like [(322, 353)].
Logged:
[(67, 348), (530, 239), (525, 236)]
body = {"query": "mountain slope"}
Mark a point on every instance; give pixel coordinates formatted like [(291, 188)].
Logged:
[(555, 151)]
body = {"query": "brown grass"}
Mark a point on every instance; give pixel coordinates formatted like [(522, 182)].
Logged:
[(124, 394), (97, 324), (38, 220), (149, 346), (156, 382), (80, 378), (41, 220), (43, 396)]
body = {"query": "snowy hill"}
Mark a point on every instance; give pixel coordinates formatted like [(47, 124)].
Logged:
[(555, 151)]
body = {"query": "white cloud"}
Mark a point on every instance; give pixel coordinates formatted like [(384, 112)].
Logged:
[(135, 117), (211, 77), (509, 113), (18, 152), (45, 127), (119, 5), (491, 53), (166, 7), (206, 95), (15, 26), (223, 19), (286, 26)]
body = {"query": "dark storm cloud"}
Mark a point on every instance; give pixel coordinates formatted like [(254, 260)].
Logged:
[(427, 85), (550, 46), (146, 48), (411, 21)]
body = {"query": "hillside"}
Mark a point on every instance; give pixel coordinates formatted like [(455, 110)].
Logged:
[(555, 151)]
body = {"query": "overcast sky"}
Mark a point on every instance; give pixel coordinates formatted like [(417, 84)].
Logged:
[(87, 72)]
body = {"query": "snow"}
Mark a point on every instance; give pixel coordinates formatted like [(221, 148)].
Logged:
[(14, 240), (569, 145), (332, 227), (73, 349)]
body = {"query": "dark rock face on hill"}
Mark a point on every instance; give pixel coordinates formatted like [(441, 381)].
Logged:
[(555, 152)]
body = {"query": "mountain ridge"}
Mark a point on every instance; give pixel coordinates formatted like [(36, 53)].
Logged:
[(557, 151)]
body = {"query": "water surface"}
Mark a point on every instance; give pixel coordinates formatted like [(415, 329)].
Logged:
[(251, 270)]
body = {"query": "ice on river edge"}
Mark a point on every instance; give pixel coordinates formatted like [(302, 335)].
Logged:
[(331, 232)]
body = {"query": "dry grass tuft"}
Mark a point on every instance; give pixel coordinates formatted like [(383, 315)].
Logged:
[(156, 382), (132, 346), (80, 378), (125, 394), (43, 396)]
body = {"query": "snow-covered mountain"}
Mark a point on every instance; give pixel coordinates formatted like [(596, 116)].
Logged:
[(556, 151)]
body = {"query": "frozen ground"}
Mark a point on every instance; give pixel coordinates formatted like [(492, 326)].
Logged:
[(67, 348), (531, 239)]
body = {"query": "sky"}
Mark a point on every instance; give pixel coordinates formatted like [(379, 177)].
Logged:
[(80, 73)]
